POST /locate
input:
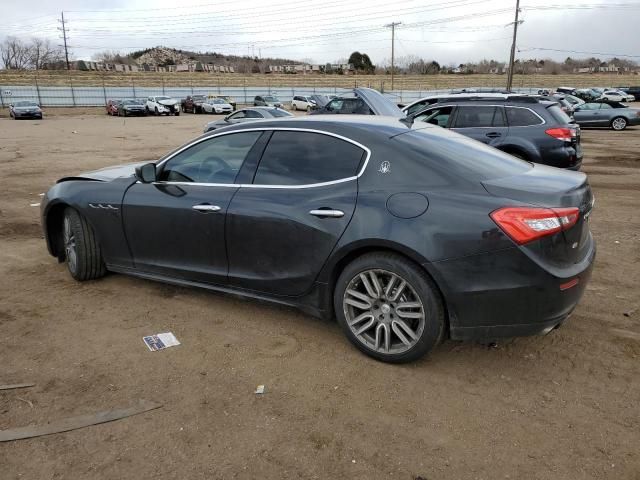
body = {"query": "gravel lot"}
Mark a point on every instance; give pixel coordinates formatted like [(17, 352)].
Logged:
[(564, 406)]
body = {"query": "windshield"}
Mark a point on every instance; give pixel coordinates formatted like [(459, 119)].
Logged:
[(270, 99), (279, 113), (199, 97), (25, 104), (132, 102), (217, 101), (162, 98)]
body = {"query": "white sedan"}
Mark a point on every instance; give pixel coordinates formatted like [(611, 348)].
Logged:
[(216, 105), (616, 96)]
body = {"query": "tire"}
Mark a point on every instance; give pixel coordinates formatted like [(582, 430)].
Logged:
[(308, 108), (294, 107), (618, 124), (146, 110), (426, 332), (605, 99), (157, 112), (82, 251), (177, 114)]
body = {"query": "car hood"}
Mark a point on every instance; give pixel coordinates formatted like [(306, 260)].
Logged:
[(378, 103), (168, 102), (106, 174)]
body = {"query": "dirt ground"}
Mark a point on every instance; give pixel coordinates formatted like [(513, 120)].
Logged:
[(564, 406)]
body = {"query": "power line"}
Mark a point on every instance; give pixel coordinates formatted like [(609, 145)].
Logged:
[(526, 49)]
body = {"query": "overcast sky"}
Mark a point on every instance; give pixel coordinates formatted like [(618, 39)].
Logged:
[(449, 31)]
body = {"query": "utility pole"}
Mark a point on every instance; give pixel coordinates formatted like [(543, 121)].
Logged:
[(513, 48), (393, 41), (64, 36)]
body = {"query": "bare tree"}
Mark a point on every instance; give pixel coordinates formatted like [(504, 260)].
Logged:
[(14, 53), (42, 53)]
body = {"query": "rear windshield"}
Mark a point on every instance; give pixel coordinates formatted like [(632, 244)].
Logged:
[(462, 155), (279, 113), (558, 114)]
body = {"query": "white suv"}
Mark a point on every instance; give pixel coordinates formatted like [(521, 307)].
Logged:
[(163, 105), (301, 102)]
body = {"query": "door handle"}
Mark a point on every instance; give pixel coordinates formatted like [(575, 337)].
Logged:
[(327, 213), (493, 135), (206, 208)]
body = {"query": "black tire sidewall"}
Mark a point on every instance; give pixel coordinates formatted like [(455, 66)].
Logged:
[(421, 283)]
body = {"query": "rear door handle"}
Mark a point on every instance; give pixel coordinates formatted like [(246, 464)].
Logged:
[(206, 208), (493, 135), (327, 213)]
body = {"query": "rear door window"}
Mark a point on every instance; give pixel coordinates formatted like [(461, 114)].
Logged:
[(522, 117), (302, 158), (472, 116)]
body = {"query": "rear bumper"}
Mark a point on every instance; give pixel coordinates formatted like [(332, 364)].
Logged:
[(506, 294)]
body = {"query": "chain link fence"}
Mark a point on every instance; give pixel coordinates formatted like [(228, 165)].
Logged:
[(93, 91)]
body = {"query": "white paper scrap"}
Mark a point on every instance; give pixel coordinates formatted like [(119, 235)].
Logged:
[(161, 341), (260, 390)]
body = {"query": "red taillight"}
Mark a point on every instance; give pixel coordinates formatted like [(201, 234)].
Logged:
[(570, 284), (526, 224), (561, 133)]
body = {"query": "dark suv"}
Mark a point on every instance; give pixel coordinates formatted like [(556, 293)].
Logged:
[(528, 128)]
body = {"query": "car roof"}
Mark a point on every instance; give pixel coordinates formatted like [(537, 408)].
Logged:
[(369, 125)]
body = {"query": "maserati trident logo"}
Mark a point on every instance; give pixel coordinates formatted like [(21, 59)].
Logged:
[(385, 167)]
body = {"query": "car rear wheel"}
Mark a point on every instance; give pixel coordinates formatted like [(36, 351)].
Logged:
[(389, 308), (619, 123), (157, 112), (81, 248)]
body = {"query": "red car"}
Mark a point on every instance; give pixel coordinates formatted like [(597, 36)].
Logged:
[(112, 107)]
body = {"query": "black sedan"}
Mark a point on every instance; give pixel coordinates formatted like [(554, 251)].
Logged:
[(406, 234), (247, 115), (131, 107), (25, 109)]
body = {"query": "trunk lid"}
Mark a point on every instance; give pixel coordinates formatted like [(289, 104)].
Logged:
[(550, 187)]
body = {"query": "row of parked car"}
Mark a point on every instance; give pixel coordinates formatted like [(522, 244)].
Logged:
[(543, 128)]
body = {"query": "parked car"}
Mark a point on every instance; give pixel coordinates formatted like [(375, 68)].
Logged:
[(528, 128), (131, 107), (566, 106), (572, 99), (193, 103), (227, 99), (112, 107), (456, 95), (25, 109), (267, 101), (362, 101), (404, 234), (216, 105), (247, 115), (161, 105), (615, 96), (632, 91), (602, 114), (302, 102), (319, 101), (586, 94), (566, 90)]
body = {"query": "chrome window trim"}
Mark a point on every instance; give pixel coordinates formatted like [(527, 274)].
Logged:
[(253, 185), (491, 105)]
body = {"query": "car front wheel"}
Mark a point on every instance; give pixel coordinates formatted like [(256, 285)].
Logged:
[(389, 308), (81, 249), (619, 123)]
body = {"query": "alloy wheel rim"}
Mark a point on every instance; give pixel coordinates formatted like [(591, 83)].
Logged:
[(619, 123), (70, 245), (383, 311)]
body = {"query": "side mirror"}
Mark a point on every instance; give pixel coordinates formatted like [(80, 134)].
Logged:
[(576, 109), (146, 173)]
